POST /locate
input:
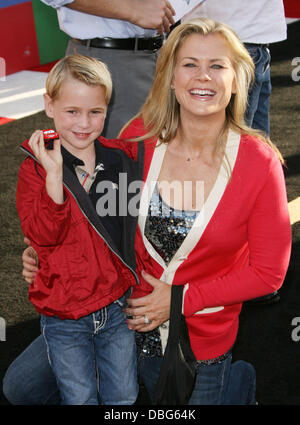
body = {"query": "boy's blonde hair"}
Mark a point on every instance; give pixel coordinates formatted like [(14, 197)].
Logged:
[(82, 68), (161, 110)]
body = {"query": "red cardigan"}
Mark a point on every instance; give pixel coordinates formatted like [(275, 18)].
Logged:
[(237, 250)]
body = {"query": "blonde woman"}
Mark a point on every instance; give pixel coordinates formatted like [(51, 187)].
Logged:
[(213, 211)]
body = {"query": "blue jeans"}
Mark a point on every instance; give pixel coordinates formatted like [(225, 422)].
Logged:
[(29, 380), (99, 345), (223, 383), (258, 109)]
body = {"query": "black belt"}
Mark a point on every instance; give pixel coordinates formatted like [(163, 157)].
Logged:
[(256, 45), (152, 43)]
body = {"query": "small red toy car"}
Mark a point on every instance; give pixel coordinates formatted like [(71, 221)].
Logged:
[(50, 134)]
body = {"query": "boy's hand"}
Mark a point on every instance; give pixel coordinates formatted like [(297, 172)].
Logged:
[(30, 262), (51, 160)]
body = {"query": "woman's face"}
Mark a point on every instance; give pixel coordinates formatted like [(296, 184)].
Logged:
[(204, 78)]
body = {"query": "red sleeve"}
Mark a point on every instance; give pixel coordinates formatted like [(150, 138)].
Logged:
[(130, 148), (269, 239), (135, 129), (42, 220), (125, 142)]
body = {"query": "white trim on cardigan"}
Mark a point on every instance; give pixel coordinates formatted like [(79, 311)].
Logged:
[(200, 224)]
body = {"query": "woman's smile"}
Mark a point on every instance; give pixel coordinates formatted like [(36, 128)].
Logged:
[(204, 78), (202, 94)]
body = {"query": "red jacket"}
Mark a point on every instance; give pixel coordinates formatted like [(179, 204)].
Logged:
[(239, 248), (80, 270)]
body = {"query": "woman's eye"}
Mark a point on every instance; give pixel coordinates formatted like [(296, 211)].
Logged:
[(217, 66), (189, 65)]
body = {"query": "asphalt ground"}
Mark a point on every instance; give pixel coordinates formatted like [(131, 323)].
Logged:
[(268, 336)]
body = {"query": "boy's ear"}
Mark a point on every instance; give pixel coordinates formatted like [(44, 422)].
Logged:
[(48, 105)]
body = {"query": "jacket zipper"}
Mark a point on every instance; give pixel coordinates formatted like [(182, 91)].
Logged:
[(101, 236)]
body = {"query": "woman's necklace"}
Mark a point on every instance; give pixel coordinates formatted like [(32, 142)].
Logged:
[(189, 158)]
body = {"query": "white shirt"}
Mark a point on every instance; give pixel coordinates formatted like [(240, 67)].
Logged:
[(254, 21), (84, 26)]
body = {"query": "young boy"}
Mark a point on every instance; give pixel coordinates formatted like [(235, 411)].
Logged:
[(82, 282)]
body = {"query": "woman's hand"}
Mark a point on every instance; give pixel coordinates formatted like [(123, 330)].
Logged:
[(30, 262), (155, 306)]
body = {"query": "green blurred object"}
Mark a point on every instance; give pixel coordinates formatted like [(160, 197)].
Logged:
[(52, 42)]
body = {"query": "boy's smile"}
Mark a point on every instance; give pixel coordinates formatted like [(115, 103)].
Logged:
[(81, 135), (79, 112)]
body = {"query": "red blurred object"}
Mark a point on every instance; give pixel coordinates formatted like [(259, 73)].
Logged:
[(4, 120), (44, 68), (18, 45), (292, 8)]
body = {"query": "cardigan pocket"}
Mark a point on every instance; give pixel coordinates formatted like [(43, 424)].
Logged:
[(210, 310)]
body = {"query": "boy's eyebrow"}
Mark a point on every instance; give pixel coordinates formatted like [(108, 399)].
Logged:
[(77, 107)]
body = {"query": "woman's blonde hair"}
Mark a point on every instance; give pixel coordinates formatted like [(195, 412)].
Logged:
[(160, 112), (82, 68)]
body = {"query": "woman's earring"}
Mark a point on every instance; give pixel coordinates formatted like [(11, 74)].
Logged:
[(172, 87)]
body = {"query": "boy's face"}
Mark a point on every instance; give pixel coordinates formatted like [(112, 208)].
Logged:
[(78, 112)]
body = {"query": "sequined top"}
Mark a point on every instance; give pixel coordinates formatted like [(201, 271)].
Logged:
[(166, 228)]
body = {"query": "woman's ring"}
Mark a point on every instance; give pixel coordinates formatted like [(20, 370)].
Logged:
[(147, 321)]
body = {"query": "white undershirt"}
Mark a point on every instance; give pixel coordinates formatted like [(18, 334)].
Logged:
[(254, 21)]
